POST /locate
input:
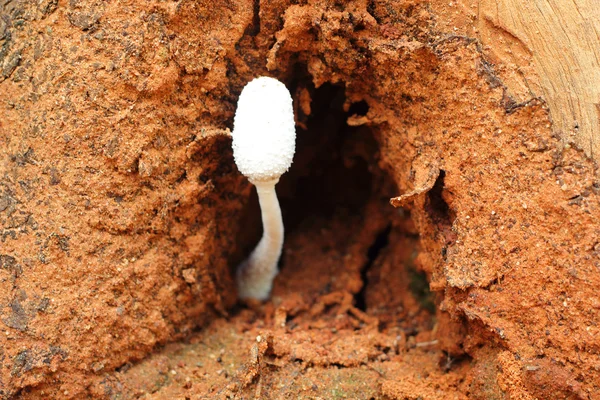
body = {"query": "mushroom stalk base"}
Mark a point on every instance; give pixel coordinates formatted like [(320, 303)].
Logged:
[(256, 274)]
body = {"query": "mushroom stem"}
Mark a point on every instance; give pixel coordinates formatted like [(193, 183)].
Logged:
[(255, 275)]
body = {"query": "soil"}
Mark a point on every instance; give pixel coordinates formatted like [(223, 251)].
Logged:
[(123, 216)]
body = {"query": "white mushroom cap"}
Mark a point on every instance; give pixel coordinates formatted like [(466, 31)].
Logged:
[(264, 135)]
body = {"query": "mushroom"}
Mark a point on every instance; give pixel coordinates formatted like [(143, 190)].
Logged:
[(264, 141)]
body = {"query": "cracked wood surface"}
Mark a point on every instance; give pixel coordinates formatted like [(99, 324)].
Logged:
[(562, 38)]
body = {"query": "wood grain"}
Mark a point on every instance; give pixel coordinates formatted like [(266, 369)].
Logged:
[(563, 39)]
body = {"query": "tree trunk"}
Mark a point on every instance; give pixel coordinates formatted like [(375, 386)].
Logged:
[(123, 216)]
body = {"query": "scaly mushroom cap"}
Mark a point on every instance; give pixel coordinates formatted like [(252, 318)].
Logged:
[(264, 135)]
